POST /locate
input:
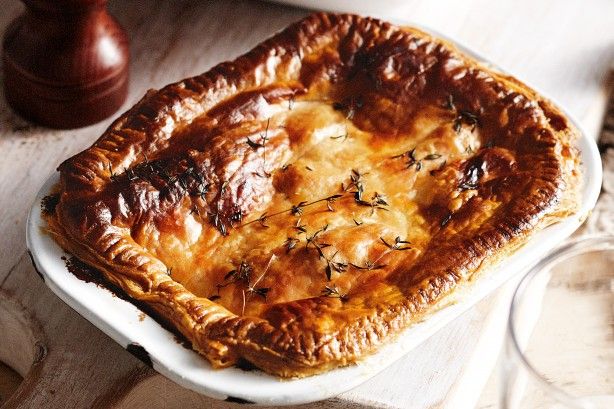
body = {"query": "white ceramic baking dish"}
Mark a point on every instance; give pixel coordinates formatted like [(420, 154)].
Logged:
[(124, 322)]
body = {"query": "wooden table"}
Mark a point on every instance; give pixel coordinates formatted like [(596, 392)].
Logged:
[(562, 47)]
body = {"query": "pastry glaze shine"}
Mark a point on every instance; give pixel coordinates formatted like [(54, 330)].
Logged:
[(303, 204)]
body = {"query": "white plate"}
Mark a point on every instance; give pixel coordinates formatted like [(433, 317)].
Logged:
[(120, 319)]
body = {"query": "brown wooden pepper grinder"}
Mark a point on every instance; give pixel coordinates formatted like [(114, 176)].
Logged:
[(65, 63)]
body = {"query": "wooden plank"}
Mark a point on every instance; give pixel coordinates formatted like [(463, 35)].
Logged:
[(9, 381), (561, 47)]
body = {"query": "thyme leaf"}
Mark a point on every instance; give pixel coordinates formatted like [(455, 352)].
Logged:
[(254, 145), (397, 245), (298, 208), (241, 274), (465, 117), (312, 240), (377, 201), (415, 162), (299, 227), (333, 292), (261, 291), (290, 243)]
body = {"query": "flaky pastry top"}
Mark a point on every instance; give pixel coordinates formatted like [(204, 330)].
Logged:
[(303, 204)]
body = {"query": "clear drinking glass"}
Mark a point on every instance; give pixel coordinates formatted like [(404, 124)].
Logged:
[(559, 347)]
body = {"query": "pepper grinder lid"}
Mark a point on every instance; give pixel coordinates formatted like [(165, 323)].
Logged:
[(65, 63)]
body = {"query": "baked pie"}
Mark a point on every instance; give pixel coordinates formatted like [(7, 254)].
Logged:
[(300, 206)]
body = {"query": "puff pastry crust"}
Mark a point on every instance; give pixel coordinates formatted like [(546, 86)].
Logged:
[(305, 203)]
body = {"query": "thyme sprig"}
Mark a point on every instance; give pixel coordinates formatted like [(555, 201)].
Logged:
[(313, 240), (462, 116), (296, 209), (409, 154), (356, 182), (331, 263), (261, 219), (378, 201), (254, 145), (333, 292), (412, 161), (300, 228), (465, 117), (252, 289), (355, 187), (397, 245), (264, 138), (261, 291), (374, 264), (243, 275), (291, 243)]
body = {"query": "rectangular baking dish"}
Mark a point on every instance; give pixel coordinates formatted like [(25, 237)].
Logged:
[(124, 322)]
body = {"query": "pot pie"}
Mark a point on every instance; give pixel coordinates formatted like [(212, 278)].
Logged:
[(300, 206)]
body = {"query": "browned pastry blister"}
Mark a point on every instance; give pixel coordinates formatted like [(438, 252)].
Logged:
[(300, 206)]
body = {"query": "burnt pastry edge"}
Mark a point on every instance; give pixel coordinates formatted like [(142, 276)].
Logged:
[(283, 348)]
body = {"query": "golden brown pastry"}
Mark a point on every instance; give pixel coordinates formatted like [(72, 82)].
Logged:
[(303, 204)]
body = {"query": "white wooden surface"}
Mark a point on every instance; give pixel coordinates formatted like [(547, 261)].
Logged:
[(564, 47)]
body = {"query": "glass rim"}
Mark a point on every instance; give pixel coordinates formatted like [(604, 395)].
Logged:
[(575, 247)]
